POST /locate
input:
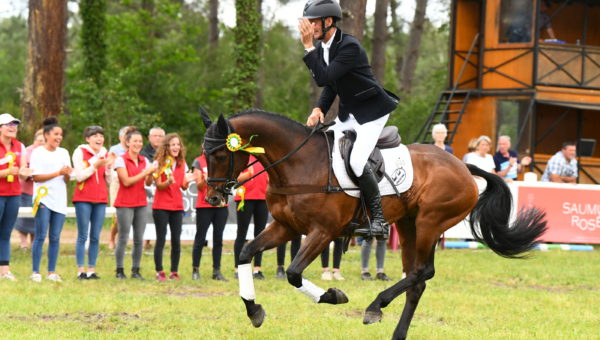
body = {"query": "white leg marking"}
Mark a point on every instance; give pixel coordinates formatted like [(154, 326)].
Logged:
[(311, 290), (246, 281)]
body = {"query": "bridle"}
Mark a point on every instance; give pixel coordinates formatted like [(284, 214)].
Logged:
[(230, 184)]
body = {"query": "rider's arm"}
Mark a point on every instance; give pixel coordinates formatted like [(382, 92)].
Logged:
[(344, 61), (326, 99)]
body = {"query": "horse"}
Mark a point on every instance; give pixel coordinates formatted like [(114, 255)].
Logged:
[(296, 158)]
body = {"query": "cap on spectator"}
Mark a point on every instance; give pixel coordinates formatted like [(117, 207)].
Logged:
[(6, 118)]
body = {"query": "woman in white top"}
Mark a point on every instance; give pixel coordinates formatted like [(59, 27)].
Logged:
[(51, 167), (480, 157)]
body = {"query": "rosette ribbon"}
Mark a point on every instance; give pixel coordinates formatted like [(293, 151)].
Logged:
[(41, 192), (234, 143), (241, 191), (82, 184), (166, 169), (11, 157)]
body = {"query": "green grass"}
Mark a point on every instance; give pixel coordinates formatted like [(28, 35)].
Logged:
[(474, 295)]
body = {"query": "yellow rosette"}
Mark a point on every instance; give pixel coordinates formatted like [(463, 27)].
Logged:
[(11, 161), (234, 143), (41, 192), (241, 191), (166, 168), (86, 164)]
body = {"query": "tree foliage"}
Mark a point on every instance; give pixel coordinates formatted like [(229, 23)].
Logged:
[(247, 38), (159, 67)]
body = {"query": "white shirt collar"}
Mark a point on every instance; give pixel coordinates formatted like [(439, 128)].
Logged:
[(327, 46)]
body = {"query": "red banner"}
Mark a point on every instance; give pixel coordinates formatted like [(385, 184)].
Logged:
[(573, 213)]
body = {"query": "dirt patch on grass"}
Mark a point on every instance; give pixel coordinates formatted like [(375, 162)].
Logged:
[(88, 317), (354, 313), (194, 292), (552, 289)]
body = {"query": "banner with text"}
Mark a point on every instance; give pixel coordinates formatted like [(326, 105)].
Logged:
[(573, 213)]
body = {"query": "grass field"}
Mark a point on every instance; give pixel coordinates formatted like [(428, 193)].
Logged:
[(474, 295)]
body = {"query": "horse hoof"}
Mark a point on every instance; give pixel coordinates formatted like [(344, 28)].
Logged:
[(340, 296), (372, 317), (258, 317), (333, 296)]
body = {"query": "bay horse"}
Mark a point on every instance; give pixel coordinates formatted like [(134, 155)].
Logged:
[(443, 193)]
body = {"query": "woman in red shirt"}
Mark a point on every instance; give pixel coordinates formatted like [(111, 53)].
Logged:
[(91, 163), (167, 207), (25, 225), (254, 205), (206, 215), (133, 170), (11, 151)]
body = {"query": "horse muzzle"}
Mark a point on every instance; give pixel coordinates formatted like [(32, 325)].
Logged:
[(216, 200)]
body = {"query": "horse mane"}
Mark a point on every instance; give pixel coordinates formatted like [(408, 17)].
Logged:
[(285, 121)]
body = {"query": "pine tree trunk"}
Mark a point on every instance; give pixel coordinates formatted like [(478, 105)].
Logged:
[(43, 91), (397, 40), (247, 38), (379, 40), (213, 18), (414, 45), (354, 12), (260, 78)]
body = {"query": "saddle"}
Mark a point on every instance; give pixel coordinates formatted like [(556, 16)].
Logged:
[(389, 138)]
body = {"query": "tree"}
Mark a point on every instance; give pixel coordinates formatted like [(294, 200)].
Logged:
[(354, 12), (379, 40), (13, 52), (414, 44), (93, 40), (397, 40), (247, 39), (213, 18), (43, 89)]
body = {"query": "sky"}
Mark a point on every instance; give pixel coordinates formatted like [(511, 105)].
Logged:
[(288, 14)]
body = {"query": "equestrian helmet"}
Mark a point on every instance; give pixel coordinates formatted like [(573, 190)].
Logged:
[(322, 9)]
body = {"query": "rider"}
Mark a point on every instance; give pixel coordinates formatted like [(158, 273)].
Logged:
[(339, 64)]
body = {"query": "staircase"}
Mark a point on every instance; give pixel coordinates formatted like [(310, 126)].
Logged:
[(450, 107), (448, 110)]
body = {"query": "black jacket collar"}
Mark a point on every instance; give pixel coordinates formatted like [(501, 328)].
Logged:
[(337, 38)]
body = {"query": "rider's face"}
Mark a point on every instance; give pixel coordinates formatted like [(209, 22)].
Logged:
[(317, 26)]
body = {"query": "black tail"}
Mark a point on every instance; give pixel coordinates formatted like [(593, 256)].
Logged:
[(490, 219)]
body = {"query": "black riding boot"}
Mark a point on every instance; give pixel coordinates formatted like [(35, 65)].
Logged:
[(368, 187)]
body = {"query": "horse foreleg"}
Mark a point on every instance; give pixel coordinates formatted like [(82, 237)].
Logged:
[(274, 235), (313, 245)]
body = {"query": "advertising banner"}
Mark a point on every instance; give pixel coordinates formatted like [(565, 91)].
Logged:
[(572, 211)]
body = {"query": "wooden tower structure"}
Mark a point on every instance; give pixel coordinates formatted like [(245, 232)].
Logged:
[(507, 77)]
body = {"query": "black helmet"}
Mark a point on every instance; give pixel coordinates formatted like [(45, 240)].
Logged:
[(322, 9)]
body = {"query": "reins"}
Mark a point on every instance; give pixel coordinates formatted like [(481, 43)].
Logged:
[(231, 184)]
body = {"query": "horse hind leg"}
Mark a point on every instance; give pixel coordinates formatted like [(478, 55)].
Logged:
[(274, 235), (417, 259), (313, 245)]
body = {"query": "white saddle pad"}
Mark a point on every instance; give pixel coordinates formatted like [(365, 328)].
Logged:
[(398, 166)]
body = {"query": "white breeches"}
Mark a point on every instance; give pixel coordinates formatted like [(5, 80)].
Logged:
[(367, 135)]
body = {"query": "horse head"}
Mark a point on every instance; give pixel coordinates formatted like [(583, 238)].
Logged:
[(224, 161)]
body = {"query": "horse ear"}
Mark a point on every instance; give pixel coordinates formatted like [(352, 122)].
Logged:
[(222, 127), (205, 117)]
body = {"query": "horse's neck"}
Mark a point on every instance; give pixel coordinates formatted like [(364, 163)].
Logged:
[(278, 142)]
